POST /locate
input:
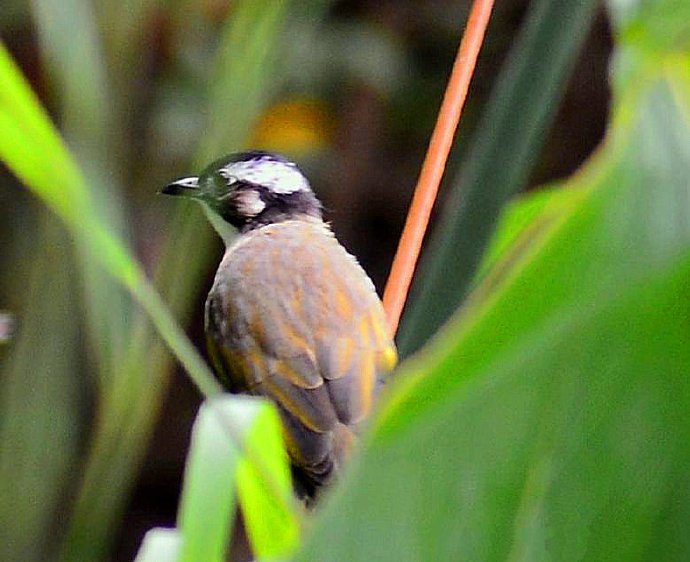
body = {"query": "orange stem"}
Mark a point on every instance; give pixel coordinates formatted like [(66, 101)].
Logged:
[(412, 236)]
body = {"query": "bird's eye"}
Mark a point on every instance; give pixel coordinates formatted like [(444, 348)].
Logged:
[(227, 176), (228, 180)]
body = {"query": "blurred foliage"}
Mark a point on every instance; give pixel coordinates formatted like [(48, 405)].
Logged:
[(136, 88), (32, 148), (216, 465), (41, 413), (132, 374), (512, 131), (298, 126)]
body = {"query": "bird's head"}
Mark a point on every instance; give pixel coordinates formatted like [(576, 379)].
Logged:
[(251, 189)]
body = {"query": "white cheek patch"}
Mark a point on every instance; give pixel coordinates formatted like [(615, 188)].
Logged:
[(278, 177), (249, 203)]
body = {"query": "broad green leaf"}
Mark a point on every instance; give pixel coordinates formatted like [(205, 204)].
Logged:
[(207, 506), (652, 26), (548, 420), (572, 445), (217, 469), (507, 145), (527, 221), (273, 530), (159, 545)]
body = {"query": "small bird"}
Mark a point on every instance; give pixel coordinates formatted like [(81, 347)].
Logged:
[(291, 315)]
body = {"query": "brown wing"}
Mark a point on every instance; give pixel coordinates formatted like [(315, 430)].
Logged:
[(293, 317)]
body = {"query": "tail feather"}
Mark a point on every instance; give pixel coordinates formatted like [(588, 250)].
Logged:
[(312, 477)]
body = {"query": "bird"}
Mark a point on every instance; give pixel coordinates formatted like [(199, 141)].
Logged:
[(291, 315)]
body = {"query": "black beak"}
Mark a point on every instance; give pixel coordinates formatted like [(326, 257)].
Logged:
[(185, 187)]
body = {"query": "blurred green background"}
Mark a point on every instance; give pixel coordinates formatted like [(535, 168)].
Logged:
[(96, 416)]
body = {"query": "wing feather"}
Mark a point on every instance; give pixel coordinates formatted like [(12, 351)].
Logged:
[(293, 317), (312, 406)]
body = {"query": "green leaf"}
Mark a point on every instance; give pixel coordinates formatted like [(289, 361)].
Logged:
[(526, 221), (548, 419), (216, 468), (272, 529), (652, 26), (572, 444), (33, 149)]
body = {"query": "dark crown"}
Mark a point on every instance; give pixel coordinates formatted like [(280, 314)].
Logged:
[(252, 189), (263, 188)]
